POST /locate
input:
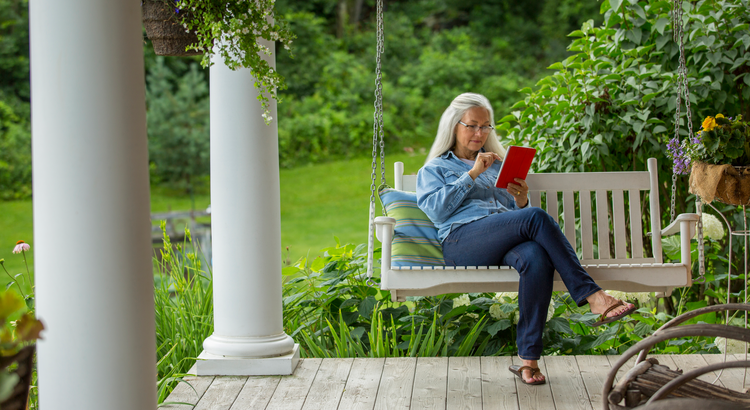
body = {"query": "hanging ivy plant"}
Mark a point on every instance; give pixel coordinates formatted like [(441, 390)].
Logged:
[(232, 29)]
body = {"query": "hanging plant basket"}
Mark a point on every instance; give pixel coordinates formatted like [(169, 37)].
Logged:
[(165, 31), (25, 361), (726, 183)]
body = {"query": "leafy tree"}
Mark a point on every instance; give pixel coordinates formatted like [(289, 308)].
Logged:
[(14, 53), (178, 126), (15, 155), (611, 105)]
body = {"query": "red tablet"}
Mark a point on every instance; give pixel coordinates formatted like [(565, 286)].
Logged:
[(515, 165)]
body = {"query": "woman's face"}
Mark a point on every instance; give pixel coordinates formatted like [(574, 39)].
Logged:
[(468, 142)]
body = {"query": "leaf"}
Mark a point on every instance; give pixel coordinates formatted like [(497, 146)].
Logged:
[(615, 4), (507, 118), (498, 326), (28, 328), (660, 24), (366, 307), (9, 304), (648, 97), (560, 325), (556, 66)]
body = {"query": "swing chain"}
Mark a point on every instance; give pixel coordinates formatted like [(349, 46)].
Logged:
[(379, 88), (683, 90), (377, 140)]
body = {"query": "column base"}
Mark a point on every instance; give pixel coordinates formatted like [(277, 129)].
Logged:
[(213, 365)]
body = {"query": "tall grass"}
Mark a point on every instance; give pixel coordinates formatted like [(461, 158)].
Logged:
[(183, 296)]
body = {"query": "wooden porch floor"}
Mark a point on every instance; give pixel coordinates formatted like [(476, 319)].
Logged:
[(573, 382)]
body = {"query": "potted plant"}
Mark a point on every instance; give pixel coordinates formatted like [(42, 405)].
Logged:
[(163, 24), (717, 159), (231, 29), (20, 329)]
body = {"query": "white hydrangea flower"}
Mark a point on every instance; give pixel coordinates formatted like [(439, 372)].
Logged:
[(641, 297), (712, 227), (500, 295), (730, 346), (497, 313), (516, 316), (462, 300), (550, 311)]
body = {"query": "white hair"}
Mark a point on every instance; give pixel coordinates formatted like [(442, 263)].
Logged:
[(446, 134)]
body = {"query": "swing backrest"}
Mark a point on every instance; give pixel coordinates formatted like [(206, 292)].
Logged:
[(595, 204)]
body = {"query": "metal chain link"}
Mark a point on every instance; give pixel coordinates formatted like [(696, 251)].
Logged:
[(377, 140), (379, 89), (683, 90)]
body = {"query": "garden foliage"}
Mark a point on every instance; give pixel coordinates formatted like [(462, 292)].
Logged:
[(611, 105), (178, 125), (183, 295)]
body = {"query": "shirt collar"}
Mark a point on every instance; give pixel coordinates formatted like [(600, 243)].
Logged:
[(450, 153)]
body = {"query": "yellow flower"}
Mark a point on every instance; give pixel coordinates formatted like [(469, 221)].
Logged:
[(719, 115), (709, 123)]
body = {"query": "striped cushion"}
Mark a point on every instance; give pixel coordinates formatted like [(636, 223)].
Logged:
[(415, 240)]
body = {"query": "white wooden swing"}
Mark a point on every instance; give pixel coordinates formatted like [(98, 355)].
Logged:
[(629, 271)]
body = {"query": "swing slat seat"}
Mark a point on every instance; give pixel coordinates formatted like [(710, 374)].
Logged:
[(628, 268)]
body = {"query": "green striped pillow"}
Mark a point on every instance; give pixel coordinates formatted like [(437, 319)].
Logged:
[(415, 240)]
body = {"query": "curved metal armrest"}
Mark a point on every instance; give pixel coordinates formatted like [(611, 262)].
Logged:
[(676, 225), (384, 224)]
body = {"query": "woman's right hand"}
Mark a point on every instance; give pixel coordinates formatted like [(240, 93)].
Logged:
[(483, 161)]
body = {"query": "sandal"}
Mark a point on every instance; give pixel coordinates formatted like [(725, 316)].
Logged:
[(603, 319), (518, 371)]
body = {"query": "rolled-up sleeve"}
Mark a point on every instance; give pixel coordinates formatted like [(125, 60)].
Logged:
[(439, 198)]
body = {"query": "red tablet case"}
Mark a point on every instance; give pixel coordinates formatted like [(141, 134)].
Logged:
[(515, 165)]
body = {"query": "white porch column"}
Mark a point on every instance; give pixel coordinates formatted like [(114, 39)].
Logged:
[(91, 206), (248, 336)]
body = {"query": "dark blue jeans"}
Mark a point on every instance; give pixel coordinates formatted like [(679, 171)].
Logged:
[(530, 241)]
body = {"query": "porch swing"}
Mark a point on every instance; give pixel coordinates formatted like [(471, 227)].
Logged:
[(411, 254)]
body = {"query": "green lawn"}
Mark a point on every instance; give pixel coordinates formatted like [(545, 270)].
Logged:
[(318, 202)]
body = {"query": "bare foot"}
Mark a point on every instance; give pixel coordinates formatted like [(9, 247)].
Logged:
[(601, 301), (530, 376)]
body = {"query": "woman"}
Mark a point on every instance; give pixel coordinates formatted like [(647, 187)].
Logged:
[(480, 225)]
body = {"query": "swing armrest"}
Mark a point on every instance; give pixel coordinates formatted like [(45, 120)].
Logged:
[(384, 229), (677, 226)]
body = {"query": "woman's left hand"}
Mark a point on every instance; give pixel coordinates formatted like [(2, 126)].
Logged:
[(520, 192)]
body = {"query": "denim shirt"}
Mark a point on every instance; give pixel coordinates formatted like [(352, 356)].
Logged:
[(450, 198)]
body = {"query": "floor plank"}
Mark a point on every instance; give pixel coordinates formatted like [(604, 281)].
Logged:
[(594, 371), (184, 393), (574, 382), (329, 384), (464, 383), (730, 378), (498, 384), (292, 390), (256, 393), (396, 384), (689, 362), (567, 385), (362, 387), (222, 393), (430, 383), (533, 397)]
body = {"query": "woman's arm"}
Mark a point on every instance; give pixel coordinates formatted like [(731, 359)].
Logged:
[(439, 195)]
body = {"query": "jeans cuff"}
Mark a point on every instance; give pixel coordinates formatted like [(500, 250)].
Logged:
[(583, 300)]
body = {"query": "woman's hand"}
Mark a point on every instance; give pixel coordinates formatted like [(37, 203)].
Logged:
[(483, 161), (520, 192)]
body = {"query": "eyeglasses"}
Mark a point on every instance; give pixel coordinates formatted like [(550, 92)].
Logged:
[(474, 128)]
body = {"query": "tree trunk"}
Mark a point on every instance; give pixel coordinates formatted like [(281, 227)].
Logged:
[(341, 18)]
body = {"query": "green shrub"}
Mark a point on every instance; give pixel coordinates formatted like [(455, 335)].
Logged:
[(15, 155), (611, 105)]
